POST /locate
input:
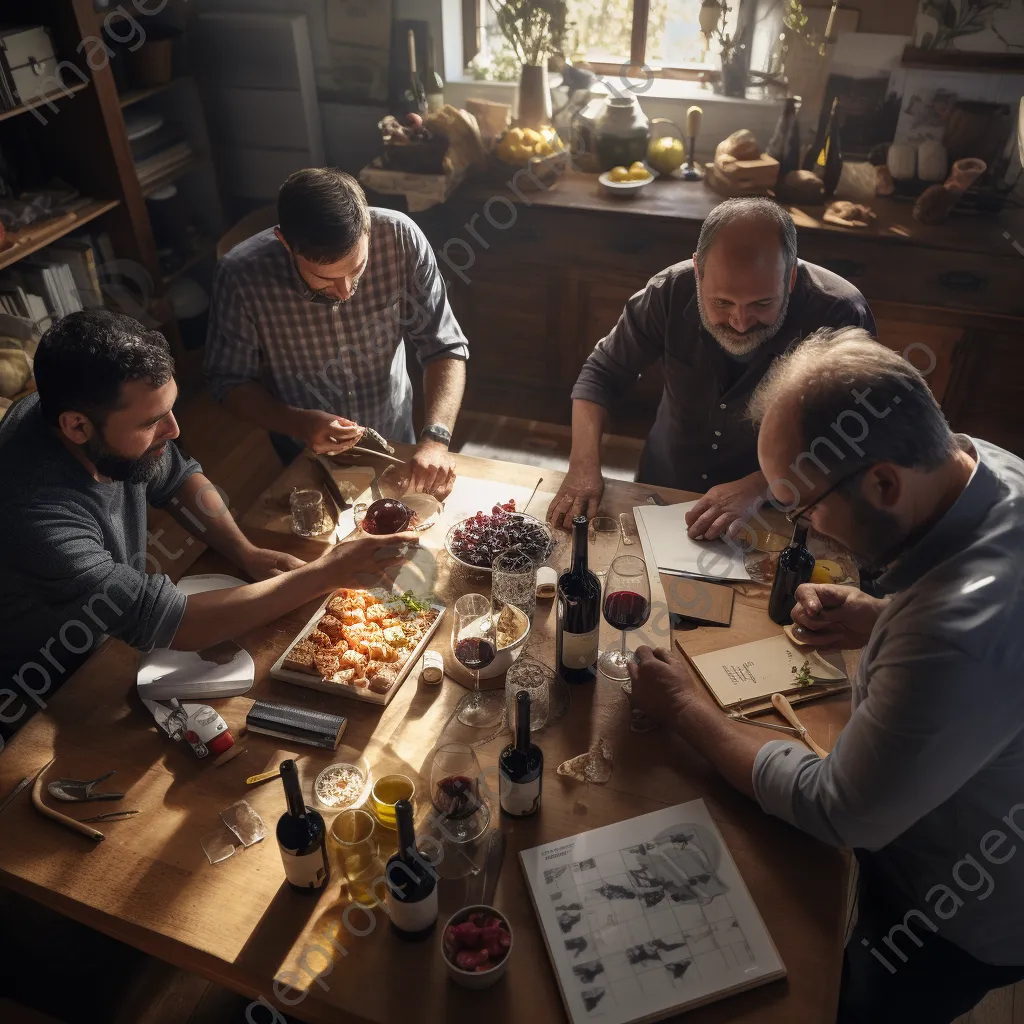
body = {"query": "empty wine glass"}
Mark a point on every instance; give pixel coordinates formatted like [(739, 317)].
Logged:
[(475, 645), (603, 536), (627, 606)]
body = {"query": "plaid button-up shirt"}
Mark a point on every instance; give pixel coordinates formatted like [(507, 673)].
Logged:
[(348, 358)]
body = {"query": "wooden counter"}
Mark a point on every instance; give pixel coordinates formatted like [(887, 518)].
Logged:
[(237, 923), (537, 278)]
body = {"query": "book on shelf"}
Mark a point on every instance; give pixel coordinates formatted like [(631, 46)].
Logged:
[(80, 256), (161, 163)]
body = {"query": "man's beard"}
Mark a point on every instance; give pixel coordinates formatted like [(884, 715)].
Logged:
[(733, 342), (878, 538), (130, 471)]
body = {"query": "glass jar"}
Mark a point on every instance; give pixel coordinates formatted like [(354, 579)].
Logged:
[(621, 133)]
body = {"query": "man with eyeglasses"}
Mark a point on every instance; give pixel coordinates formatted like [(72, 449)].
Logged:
[(310, 321), (715, 323), (926, 782)]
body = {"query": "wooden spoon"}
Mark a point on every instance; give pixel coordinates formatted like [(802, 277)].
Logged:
[(785, 709)]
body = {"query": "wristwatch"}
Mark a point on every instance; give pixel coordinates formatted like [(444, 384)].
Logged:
[(436, 432)]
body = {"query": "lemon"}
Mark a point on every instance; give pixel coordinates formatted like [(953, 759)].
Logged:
[(638, 165), (827, 571), (544, 148), (531, 136), (516, 135), (821, 575), (619, 174), (638, 173)]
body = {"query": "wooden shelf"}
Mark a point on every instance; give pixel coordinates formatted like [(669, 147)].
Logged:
[(38, 236), (53, 97), (170, 175), (206, 250), (139, 95)]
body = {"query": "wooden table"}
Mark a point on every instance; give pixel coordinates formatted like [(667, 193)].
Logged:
[(238, 924)]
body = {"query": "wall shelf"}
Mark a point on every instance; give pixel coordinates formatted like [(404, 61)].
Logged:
[(53, 97), (38, 236)]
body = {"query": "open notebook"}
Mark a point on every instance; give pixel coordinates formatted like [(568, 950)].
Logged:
[(674, 552)]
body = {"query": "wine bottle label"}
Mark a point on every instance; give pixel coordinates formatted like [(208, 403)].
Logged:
[(412, 917), (520, 798), (435, 102), (579, 650), (308, 872)]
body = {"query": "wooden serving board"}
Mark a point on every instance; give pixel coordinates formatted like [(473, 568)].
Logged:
[(364, 694)]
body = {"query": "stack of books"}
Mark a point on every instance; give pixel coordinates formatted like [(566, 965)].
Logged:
[(158, 149)]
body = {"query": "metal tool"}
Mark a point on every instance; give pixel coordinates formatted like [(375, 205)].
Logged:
[(263, 777), (24, 784), (61, 819), (627, 528), (332, 487), (785, 709), (738, 716), (372, 435), (374, 454), (533, 494), (109, 816), (76, 790)]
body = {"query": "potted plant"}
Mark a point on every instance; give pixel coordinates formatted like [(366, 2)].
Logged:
[(533, 30), (714, 15)]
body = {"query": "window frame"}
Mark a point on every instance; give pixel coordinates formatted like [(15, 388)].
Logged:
[(635, 67)]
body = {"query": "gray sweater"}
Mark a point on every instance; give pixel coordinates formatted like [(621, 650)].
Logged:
[(928, 776), (73, 562)]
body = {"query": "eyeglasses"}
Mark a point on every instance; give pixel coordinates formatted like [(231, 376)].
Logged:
[(800, 513)]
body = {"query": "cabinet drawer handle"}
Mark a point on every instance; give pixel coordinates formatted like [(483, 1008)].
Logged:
[(845, 268), (963, 281)]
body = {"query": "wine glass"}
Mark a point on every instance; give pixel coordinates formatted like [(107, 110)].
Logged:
[(455, 788), (604, 536), (475, 645), (627, 606)]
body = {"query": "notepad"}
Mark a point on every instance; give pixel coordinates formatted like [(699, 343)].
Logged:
[(675, 552), (747, 672)]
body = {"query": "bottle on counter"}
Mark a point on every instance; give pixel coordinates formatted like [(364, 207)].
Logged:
[(521, 767), (825, 157), (302, 837), (433, 83), (796, 563), (414, 100), (784, 144), (578, 613), (411, 884)]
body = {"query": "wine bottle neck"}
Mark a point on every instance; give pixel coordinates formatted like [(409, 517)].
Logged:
[(523, 727), (406, 833), (579, 546), (293, 792), (799, 537)]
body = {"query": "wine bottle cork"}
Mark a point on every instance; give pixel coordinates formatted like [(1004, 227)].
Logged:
[(693, 119), (432, 667)]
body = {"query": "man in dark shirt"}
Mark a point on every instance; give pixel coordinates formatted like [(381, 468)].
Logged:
[(80, 460), (717, 323)]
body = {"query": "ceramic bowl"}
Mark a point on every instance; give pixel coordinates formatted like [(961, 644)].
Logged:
[(477, 979), (623, 189), (507, 656)]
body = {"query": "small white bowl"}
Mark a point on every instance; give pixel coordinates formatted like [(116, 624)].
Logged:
[(507, 656), (623, 189), (477, 979)]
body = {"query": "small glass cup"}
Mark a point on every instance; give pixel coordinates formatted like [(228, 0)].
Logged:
[(307, 506), (604, 536), (535, 678), (386, 792), (514, 581), (356, 855)]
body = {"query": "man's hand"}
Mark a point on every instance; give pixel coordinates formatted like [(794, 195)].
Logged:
[(433, 470), (725, 508), (363, 560), (832, 618), (580, 494), (663, 686), (263, 563), (325, 433)]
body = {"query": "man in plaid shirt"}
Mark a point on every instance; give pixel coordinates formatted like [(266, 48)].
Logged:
[(308, 321)]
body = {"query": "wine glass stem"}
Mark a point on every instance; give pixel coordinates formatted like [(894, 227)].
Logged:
[(622, 648)]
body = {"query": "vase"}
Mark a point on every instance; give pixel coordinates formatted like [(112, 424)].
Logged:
[(534, 97), (621, 133), (734, 72)]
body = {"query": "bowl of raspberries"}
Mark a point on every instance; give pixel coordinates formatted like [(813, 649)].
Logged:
[(475, 542), (476, 945)]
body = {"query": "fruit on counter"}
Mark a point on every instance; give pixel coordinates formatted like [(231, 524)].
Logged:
[(619, 174), (479, 539), (520, 145), (395, 132), (666, 154), (638, 172)]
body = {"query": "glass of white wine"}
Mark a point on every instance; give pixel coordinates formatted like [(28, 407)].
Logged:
[(356, 855)]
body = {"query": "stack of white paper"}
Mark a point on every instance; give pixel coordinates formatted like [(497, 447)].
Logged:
[(674, 552)]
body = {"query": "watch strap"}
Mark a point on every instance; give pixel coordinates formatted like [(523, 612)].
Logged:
[(436, 432)]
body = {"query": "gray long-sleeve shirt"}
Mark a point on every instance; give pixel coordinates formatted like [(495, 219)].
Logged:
[(702, 435), (73, 564), (929, 772)]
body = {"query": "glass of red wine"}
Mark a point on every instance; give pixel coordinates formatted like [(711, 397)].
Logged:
[(385, 516), (475, 646), (455, 788), (627, 606)]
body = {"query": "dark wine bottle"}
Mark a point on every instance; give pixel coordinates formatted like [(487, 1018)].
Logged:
[(302, 837), (796, 564), (415, 97), (521, 767), (826, 155), (578, 615), (411, 883), (434, 83), (784, 144)]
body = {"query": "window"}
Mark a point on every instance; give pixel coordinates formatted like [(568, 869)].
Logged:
[(664, 35)]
